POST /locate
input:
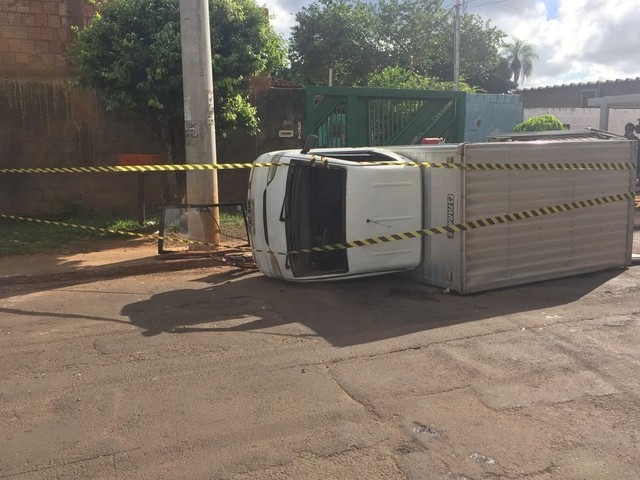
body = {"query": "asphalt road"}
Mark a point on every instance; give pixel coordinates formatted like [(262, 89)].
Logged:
[(203, 374)]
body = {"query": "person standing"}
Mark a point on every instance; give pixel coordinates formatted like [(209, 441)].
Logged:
[(629, 132)]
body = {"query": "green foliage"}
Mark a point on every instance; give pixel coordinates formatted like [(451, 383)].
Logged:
[(359, 38), (411, 32), (334, 33), (131, 225), (480, 47), (130, 55), (541, 123), (131, 58), (498, 80), (243, 44), (397, 77), (19, 237)]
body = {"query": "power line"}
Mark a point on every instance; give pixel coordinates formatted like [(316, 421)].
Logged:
[(483, 4)]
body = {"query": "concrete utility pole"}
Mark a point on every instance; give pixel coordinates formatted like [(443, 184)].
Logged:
[(199, 122), (456, 44)]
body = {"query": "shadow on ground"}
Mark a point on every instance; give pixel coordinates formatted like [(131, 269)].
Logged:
[(343, 313), (37, 272)]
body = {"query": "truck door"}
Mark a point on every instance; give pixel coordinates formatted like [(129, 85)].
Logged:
[(382, 201)]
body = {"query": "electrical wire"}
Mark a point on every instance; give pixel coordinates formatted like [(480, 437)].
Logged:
[(484, 4)]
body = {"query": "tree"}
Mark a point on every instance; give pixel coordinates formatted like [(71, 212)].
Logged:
[(130, 55), (480, 45), (410, 32), (499, 79), (333, 34), (520, 56), (415, 35)]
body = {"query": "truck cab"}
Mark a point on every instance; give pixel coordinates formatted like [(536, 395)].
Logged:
[(325, 199)]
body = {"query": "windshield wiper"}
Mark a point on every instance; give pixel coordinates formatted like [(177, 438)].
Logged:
[(282, 210), (264, 217), (289, 190)]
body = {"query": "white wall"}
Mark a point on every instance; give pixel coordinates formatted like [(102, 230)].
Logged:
[(588, 117)]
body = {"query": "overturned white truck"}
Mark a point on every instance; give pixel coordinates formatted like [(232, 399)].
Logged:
[(468, 217)]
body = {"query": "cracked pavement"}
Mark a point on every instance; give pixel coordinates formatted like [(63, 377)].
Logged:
[(205, 374)]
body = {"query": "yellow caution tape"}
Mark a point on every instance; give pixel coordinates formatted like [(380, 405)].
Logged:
[(463, 227), (322, 162), (535, 166), (457, 228), (136, 168), (103, 230)]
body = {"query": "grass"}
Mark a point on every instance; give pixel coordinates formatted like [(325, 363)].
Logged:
[(20, 237)]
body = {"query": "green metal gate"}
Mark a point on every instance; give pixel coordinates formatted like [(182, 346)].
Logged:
[(357, 117)]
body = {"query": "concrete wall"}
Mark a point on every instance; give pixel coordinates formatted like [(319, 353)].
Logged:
[(491, 113), (578, 118)]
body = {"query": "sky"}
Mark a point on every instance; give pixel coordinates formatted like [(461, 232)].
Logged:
[(576, 40)]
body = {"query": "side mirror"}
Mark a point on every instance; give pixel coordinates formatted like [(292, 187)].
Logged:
[(309, 143)]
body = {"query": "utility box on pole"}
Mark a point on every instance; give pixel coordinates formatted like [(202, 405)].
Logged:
[(199, 123)]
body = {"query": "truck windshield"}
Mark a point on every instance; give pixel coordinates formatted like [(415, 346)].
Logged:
[(314, 212)]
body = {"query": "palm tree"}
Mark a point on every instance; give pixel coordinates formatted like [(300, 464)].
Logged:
[(520, 56)]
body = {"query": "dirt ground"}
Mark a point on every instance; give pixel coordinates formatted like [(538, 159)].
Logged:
[(214, 373)]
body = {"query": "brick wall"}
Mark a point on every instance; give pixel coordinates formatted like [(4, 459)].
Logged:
[(44, 123), (35, 34)]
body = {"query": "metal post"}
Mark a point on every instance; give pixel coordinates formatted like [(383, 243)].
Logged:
[(141, 199), (456, 45), (604, 117), (199, 123)]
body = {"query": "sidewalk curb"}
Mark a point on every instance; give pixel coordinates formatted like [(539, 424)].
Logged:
[(138, 267)]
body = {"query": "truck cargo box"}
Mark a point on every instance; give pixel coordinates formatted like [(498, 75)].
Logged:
[(515, 252)]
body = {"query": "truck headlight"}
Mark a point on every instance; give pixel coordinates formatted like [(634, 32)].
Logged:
[(275, 267), (273, 168)]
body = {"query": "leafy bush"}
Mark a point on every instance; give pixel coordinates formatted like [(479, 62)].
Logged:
[(542, 123), (397, 77), (131, 55)]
